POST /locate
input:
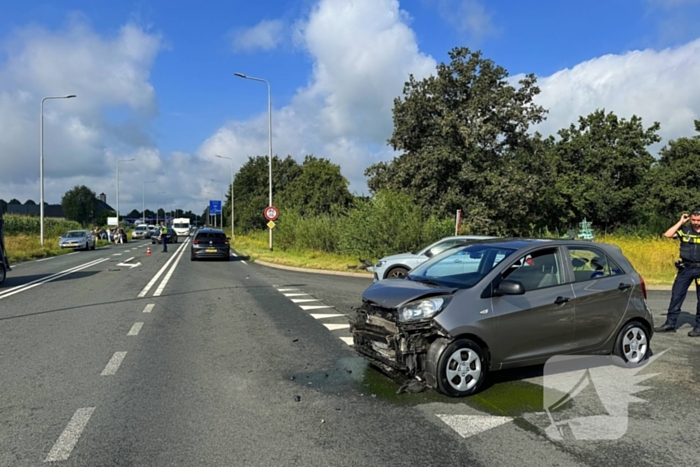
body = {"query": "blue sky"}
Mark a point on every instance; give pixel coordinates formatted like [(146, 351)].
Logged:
[(192, 103)]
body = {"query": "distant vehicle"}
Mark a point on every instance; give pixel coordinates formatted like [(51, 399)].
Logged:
[(4, 262), (77, 239), (182, 226), (397, 266), (210, 243), (141, 232), (504, 303), (170, 236)]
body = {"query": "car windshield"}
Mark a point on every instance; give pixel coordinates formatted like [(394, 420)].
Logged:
[(180, 226), (74, 234), (461, 267), (141, 229)]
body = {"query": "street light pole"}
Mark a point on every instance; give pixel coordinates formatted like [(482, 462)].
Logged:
[(41, 161), (269, 111), (144, 201), (118, 162), (233, 235)]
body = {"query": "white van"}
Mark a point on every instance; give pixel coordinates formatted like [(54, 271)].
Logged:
[(181, 226)]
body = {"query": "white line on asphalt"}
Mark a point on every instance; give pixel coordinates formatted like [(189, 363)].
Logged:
[(117, 254), (335, 327), (295, 294), (113, 364), (71, 254), (303, 300), (323, 316), (157, 276), (134, 331), (45, 259), (236, 256), (347, 340), (52, 277), (66, 442), (127, 260), (165, 280), (287, 290), (313, 307), (470, 425), (148, 308)]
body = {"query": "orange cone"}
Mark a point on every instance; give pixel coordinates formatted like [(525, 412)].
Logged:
[(148, 251)]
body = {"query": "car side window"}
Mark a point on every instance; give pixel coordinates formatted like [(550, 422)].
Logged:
[(440, 247), (537, 270), (590, 263)]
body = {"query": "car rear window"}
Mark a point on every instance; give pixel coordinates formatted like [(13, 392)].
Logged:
[(211, 236)]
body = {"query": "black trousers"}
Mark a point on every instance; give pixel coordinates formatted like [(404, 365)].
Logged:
[(165, 243), (683, 280)]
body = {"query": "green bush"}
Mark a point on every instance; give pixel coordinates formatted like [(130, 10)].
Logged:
[(16, 225), (321, 233)]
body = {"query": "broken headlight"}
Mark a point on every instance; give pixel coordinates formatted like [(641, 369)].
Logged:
[(422, 309)]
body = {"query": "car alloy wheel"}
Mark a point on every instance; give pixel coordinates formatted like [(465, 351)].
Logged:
[(632, 344), (462, 368), (397, 273)]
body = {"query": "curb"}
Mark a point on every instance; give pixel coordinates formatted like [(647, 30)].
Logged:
[(313, 271)]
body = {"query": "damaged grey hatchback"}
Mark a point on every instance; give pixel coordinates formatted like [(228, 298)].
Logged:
[(503, 304)]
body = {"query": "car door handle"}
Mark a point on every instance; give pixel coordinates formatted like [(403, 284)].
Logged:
[(561, 300), (624, 286)]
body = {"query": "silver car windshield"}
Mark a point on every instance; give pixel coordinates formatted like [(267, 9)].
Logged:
[(461, 267), (74, 234)]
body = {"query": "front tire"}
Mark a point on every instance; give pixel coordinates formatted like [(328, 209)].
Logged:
[(397, 273), (462, 368), (632, 343)]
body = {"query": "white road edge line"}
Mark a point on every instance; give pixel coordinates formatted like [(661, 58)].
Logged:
[(348, 340), (31, 285), (71, 254), (45, 259), (165, 280), (134, 331), (39, 280), (69, 438), (149, 308), (113, 364), (157, 276)]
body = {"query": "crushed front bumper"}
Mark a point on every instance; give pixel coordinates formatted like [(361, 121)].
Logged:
[(394, 347)]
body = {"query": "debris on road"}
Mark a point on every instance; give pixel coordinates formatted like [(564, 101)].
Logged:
[(297, 398)]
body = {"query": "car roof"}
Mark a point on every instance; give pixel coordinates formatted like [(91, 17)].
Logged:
[(209, 230)]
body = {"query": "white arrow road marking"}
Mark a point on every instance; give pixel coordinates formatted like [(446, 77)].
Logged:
[(302, 300), (321, 316), (66, 442), (335, 327), (130, 266), (313, 307), (470, 425), (113, 364), (295, 294), (347, 340)]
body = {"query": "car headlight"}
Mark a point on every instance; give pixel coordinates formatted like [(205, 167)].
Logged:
[(422, 309), (379, 264)]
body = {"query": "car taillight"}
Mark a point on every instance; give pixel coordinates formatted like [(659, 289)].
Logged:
[(196, 242), (644, 287)]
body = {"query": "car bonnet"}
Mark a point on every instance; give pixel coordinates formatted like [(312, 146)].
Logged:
[(393, 293)]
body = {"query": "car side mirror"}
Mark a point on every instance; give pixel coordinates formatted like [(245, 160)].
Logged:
[(509, 288)]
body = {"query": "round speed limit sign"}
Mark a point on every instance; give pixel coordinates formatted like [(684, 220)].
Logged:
[(271, 213)]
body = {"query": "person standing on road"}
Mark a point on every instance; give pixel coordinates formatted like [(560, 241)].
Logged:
[(688, 270), (163, 237)]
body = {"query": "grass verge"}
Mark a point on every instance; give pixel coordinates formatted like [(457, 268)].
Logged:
[(653, 258), (258, 247)]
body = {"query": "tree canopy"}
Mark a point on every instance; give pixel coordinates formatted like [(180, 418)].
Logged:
[(80, 204)]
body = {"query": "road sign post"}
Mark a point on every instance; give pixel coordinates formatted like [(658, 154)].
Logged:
[(215, 208), (271, 213)]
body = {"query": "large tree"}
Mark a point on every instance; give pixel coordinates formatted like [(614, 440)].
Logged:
[(80, 204), (463, 135), (30, 202)]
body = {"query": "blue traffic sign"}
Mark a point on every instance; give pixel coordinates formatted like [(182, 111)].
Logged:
[(214, 207)]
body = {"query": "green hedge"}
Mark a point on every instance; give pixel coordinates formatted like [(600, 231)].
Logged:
[(28, 225)]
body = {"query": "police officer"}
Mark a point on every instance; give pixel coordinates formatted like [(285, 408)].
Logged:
[(688, 270), (163, 237)]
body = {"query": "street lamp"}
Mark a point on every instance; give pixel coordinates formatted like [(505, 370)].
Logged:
[(144, 200), (158, 213), (222, 199), (233, 236), (118, 162), (41, 160), (269, 111)]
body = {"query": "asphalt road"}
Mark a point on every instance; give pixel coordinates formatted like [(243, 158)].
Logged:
[(180, 363)]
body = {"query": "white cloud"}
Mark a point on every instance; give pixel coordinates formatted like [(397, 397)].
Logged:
[(266, 35), (466, 16), (363, 52), (655, 85)]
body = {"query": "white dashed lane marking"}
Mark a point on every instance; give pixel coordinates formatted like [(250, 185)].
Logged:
[(66, 442), (295, 294), (113, 364), (335, 327), (324, 316), (149, 308), (303, 300), (134, 331), (313, 307)]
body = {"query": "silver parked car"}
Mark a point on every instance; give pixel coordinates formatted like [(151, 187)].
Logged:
[(397, 266), (503, 304), (141, 232), (77, 239)]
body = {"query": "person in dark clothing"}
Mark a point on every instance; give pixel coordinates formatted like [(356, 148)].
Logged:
[(688, 271), (163, 237)]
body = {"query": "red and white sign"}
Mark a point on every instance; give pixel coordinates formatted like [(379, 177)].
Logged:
[(271, 213)]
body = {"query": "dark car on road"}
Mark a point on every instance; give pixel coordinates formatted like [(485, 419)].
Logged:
[(210, 243), (170, 236), (501, 304)]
